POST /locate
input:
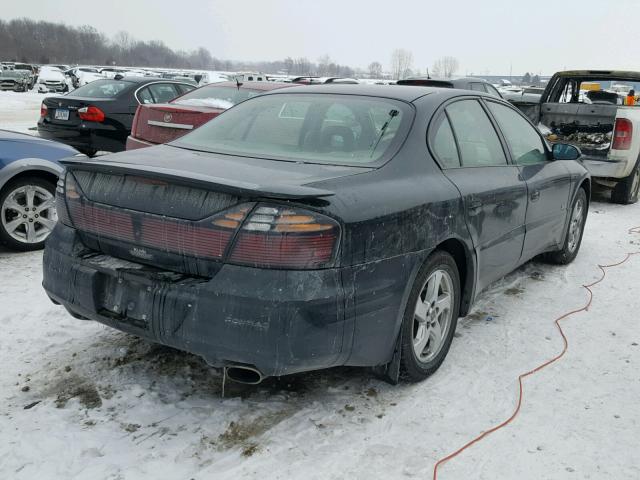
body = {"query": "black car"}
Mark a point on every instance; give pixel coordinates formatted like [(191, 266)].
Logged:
[(98, 115), (463, 83), (313, 227)]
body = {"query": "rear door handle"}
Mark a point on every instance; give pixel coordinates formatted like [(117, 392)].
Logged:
[(535, 195)]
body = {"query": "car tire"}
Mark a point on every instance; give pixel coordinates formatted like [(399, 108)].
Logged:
[(626, 190), (13, 201), (575, 231), (430, 317)]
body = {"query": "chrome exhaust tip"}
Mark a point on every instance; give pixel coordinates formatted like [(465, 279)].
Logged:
[(243, 374)]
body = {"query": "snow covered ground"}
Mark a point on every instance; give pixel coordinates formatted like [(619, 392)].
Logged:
[(81, 401), (20, 111)]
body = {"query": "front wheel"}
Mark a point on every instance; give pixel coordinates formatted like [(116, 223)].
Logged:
[(27, 213), (573, 238), (430, 317)]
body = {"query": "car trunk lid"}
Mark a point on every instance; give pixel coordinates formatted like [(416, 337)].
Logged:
[(64, 110), (163, 123)]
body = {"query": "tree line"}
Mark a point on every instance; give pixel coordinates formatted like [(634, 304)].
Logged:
[(41, 42)]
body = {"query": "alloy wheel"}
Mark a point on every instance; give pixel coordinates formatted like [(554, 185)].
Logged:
[(29, 214), (575, 227), (432, 316)]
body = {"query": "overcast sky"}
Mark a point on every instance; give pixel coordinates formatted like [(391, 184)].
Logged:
[(487, 37)]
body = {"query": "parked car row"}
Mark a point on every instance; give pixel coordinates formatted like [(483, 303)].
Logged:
[(99, 115)]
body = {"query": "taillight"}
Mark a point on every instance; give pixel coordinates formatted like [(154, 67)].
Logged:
[(622, 134), (134, 125), (43, 110), (270, 236), (91, 114), (61, 205), (284, 237)]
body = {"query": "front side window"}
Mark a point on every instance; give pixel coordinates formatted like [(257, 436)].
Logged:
[(477, 139), (315, 128), (524, 142), (478, 87)]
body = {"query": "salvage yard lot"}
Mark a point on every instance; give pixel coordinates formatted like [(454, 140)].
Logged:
[(79, 400)]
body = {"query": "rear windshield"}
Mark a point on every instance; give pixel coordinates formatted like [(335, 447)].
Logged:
[(101, 89), (314, 128), (217, 97)]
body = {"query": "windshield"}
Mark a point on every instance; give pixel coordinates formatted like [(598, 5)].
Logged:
[(101, 89), (316, 128), (216, 97)]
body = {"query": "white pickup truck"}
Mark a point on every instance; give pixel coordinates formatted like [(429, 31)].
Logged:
[(580, 107)]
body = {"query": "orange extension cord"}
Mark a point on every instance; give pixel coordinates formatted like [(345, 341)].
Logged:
[(522, 376)]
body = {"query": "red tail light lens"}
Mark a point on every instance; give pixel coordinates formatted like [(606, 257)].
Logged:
[(208, 238), (282, 237), (61, 204), (134, 125), (91, 114), (269, 236), (622, 134), (43, 110)]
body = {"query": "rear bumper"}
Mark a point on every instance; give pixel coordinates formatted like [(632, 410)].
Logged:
[(278, 321), (87, 137), (134, 143), (607, 168)]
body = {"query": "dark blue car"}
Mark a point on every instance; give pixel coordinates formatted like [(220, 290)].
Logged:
[(29, 170)]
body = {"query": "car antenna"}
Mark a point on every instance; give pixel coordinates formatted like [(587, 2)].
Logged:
[(238, 83), (428, 76)]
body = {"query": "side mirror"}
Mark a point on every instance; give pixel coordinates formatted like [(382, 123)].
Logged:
[(564, 151)]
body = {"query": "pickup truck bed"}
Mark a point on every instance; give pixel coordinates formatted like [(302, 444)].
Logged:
[(607, 133)]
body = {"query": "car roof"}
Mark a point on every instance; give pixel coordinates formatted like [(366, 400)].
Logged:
[(403, 93), (601, 74), (262, 86), (145, 80)]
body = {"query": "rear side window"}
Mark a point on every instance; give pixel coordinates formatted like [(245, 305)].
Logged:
[(184, 88), (101, 89), (144, 96), (477, 139), (524, 142), (444, 144), (163, 92), (478, 87), (491, 90)]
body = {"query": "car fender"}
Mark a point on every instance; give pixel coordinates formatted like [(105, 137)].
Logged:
[(28, 165)]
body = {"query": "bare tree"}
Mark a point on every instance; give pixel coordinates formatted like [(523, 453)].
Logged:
[(302, 66), (401, 61), (324, 63), (375, 69), (445, 67)]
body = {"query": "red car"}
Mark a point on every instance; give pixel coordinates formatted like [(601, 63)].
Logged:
[(164, 122)]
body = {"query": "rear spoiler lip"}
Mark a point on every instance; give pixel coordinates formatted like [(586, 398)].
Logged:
[(276, 191)]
